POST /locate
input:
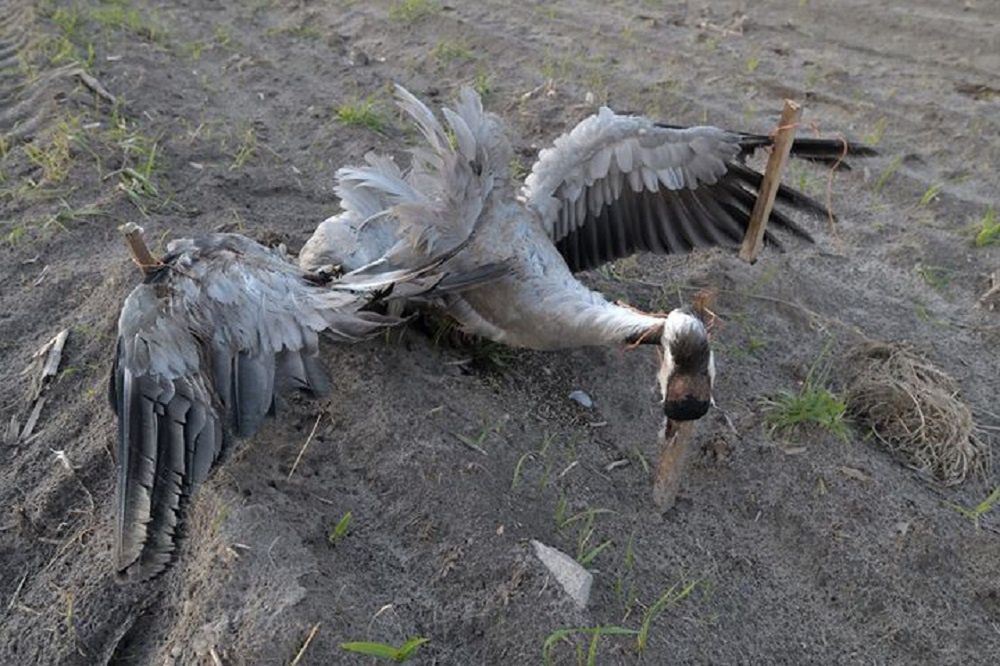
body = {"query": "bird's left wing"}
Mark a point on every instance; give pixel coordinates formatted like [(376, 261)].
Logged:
[(203, 346)]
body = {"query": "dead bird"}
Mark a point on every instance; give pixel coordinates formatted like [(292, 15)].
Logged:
[(218, 327), (613, 186)]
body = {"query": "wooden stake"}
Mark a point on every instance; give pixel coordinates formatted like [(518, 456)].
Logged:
[(780, 150), (141, 255), (675, 449)]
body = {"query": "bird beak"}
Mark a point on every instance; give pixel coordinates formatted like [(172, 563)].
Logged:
[(687, 397)]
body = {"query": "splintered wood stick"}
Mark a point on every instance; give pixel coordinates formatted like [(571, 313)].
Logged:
[(675, 449), (780, 150), (141, 255)]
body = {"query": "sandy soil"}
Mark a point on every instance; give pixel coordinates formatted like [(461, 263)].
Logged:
[(806, 549)]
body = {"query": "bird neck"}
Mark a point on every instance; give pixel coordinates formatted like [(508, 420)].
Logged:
[(592, 320)]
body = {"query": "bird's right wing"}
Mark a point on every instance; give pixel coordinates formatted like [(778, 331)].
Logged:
[(203, 346), (620, 184)]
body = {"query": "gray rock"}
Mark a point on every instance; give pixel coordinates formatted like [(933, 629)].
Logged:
[(573, 578)]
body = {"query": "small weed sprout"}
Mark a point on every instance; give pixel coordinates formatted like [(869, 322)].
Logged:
[(889, 172), (627, 596), (666, 600), (476, 443), (246, 149), (931, 195), (669, 598), (989, 229), (975, 513), (585, 552), (518, 466), (874, 137), (339, 530), (385, 651)]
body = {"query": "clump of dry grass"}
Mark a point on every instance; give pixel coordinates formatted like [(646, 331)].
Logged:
[(913, 408)]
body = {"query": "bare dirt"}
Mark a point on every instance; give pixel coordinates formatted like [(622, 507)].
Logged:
[(806, 548)]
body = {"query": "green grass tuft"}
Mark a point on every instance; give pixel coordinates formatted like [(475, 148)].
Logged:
[(483, 83), (52, 156), (446, 51), (813, 405), (361, 114), (119, 17), (407, 11)]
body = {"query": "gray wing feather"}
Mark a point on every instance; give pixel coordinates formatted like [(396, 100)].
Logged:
[(619, 184), (203, 345)]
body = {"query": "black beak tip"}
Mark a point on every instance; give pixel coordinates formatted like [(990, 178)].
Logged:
[(686, 409)]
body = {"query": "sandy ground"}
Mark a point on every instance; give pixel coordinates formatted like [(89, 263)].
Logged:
[(805, 548)]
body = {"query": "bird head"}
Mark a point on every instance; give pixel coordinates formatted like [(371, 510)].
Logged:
[(687, 372)]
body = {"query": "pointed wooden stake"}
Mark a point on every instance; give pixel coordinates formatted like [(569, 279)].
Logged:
[(675, 450), (772, 179), (141, 255)]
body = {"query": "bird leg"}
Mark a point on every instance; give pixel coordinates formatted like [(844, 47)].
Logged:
[(675, 449), (141, 255)]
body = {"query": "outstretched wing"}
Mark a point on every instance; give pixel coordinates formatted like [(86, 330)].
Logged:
[(620, 184), (203, 346)]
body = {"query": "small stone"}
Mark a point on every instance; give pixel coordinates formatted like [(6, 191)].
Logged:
[(574, 579), (581, 398)]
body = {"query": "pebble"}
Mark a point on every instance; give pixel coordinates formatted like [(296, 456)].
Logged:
[(581, 398)]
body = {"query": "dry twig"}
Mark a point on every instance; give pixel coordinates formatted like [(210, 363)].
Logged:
[(303, 449), (305, 645)]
